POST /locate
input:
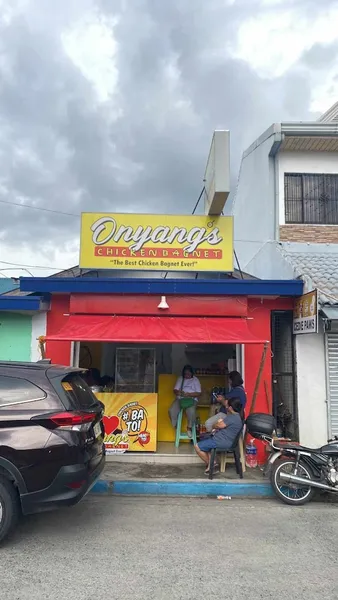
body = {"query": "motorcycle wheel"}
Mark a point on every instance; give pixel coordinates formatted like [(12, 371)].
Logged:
[(291, 493)]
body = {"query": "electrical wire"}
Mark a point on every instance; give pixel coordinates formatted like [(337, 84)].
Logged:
[(49, 210), (198, 200), (18, 269), (3, 262)]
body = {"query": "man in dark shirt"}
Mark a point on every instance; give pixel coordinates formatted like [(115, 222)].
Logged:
[(224, 434)]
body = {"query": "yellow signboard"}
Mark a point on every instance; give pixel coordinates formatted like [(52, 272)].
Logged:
[(305, 314), (156, 242), (130, 422)]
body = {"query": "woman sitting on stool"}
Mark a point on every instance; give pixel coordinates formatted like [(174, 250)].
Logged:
[(187, 386), (224, 433)]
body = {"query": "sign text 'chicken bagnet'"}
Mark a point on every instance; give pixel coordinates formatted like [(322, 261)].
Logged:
[(156, 242)]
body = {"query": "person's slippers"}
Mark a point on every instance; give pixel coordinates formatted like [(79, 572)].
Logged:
[(216, 469)]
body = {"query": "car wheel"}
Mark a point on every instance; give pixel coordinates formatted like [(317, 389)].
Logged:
[(9, 507)]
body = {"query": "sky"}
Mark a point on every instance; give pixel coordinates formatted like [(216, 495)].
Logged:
[(110, 105)]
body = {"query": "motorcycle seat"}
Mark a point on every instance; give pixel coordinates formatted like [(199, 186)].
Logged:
[(293, 446)]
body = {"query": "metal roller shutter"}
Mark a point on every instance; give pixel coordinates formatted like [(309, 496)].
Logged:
[(332, 370)]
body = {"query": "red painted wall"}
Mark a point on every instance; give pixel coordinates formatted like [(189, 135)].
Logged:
[(259, 314), (58, 352), (201, 306)]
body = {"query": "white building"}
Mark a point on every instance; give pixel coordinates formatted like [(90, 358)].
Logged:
[(286, 226)]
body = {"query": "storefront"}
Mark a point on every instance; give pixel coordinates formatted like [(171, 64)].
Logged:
[(139, 353), (138, 330)]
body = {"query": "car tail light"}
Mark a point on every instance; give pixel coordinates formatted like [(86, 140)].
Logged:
[(73, 421), (76, 485)]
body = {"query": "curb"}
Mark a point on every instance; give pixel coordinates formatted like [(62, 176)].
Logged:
[(183, 488)]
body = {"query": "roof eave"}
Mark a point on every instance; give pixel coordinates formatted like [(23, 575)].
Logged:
[(312, 129), (26, 304), (198, 287)]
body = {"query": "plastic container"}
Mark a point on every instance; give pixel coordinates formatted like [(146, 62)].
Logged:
[(198, 427), (260, 424), (251, 455)]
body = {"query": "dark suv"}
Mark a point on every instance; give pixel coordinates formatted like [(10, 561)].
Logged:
[(51, 439)]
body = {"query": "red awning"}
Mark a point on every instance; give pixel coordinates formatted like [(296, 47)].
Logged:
[(172, 330)]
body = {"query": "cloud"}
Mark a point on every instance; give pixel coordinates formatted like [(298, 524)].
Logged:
[(110, 105)]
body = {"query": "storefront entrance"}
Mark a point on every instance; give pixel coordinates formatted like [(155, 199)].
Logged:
[(134, 363), (126, 371)]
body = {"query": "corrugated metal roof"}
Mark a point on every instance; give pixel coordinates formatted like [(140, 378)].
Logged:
[(16, 293), (77, 272), (7, 284), (317, 265), (330, 116)]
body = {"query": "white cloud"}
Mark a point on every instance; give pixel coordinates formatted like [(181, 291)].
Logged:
[(31, 260), (273, 41), (326, 93), (91, 45), (106, 112)]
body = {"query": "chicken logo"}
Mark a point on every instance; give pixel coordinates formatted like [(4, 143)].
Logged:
[(134, 419)]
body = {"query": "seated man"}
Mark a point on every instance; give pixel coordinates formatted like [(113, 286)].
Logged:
[(221, 414), (223, 436)]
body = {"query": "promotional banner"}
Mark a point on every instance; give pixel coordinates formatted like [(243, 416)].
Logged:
[(305, 314), (130, 422), (156, 242)]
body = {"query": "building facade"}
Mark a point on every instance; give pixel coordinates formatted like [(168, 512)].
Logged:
[(206, 322), (23, 319), (286, 226)]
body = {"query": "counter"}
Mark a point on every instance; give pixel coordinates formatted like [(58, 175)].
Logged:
[(136, 422), (130, 422)]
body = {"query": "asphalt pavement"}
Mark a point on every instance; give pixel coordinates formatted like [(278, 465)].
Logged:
[(174, 548)]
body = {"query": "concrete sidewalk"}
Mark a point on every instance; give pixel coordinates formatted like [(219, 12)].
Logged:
[(125, 478)]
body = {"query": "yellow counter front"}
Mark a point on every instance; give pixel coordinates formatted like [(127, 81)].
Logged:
[(166, 384), (135, 422), (130, 422)]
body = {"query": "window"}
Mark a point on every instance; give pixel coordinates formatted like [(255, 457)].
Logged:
[(79, 392), (311, 198), (135, 370), (14, 391)]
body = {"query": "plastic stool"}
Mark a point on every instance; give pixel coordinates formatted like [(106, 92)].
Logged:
[(185, 403)]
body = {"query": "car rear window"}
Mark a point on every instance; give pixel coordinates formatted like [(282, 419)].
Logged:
[(14, 390), (78, 391)]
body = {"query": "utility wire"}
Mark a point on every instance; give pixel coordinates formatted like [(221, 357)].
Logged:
[(3, 262), (198, 200), (49, 210)]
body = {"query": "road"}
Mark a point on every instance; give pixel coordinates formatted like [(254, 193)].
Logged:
[(149, 548)]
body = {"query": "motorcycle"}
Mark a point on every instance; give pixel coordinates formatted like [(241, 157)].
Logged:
[(296, 472)]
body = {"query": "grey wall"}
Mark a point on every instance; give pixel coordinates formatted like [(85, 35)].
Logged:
[(254, 207)]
